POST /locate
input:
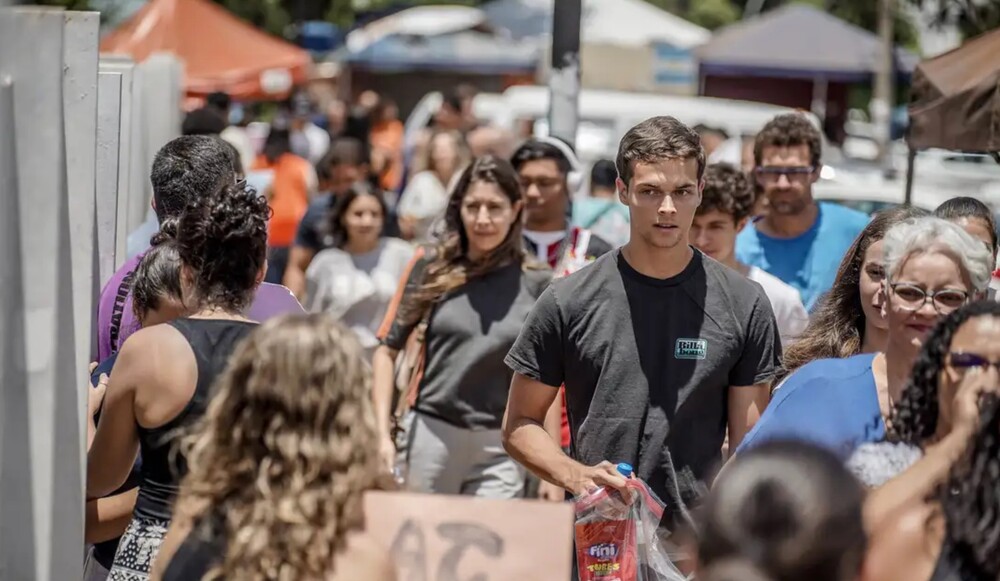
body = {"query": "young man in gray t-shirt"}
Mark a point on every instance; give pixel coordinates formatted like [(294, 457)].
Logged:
[(663, 351)]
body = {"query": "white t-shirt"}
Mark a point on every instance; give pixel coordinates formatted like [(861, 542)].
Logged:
[(425, 199), (357, 288), (785, 302)]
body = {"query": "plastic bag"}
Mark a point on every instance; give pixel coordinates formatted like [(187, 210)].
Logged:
[(619, 541)]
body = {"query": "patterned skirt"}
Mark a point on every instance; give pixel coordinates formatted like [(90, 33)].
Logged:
[(137, 549)]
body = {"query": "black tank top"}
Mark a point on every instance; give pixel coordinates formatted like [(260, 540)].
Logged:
[(203, 549), (212, 341)]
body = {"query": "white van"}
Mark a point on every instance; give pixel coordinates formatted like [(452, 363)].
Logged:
[(606, 115)]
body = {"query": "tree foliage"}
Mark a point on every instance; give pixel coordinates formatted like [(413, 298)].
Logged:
[(973, 17)]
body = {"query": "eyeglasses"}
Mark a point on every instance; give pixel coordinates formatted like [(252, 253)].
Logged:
[(913, 298), (772, 173), (543, 185), (963, 361)]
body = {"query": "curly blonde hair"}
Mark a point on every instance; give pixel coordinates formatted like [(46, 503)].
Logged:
[(284, 452)]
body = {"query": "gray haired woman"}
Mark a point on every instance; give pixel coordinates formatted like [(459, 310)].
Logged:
[(933, 268)]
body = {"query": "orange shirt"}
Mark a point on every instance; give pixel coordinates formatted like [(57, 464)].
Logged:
[(388, 137), (288, 197)]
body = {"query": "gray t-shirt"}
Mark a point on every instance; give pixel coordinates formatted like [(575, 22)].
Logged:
[(465, 381), (647, 365), (357, 288)]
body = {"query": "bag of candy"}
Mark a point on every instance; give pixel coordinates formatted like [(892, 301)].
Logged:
[(617, 538)]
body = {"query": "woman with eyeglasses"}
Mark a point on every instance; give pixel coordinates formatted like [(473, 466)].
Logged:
[(937, 415), (468, 298), (848, 320), (933, 268)]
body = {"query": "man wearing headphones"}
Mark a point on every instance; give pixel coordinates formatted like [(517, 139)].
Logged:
[(550, 174)]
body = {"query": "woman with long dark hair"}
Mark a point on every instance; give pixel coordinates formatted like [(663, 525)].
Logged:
[(355, 278), (292, 427), (469, 295), (163, 375), (848, 319)]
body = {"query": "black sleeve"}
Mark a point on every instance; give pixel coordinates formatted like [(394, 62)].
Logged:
[(762, 348), (307, 235), (394, 332), (538, 351)]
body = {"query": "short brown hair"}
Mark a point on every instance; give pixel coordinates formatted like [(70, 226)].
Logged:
[(789, 130), (728, 190), (655, 139)]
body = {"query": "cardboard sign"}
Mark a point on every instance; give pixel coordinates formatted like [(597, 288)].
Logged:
[(461, 538)]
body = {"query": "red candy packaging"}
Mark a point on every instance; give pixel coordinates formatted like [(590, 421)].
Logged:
[(617, 539)]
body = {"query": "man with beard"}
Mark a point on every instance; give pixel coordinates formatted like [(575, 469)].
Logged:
[(799, 240)]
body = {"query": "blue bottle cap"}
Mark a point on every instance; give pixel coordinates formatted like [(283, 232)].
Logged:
[(625, 469)]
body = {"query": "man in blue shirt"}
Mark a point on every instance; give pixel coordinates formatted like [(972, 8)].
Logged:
[(799, 240)]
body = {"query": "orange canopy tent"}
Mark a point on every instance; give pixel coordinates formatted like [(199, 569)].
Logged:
[(220, 52)]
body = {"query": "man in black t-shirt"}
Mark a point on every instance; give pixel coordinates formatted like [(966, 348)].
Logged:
[(662, 350)]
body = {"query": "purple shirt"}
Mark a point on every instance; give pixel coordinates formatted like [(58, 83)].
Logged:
[(115, 320)]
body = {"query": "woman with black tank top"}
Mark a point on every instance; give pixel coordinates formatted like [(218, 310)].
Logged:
[(163, 374), (156, 298), (292, 424)]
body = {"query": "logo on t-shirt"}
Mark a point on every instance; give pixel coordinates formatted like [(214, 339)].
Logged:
[(691, 349)]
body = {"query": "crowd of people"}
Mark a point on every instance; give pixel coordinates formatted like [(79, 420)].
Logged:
[(812, 391)]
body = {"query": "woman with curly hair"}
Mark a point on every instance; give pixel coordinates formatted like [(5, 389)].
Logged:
[(933, 268), (292, 423), (936, 416), (466, 300), (952, 534), (163, 375), (848, 319)]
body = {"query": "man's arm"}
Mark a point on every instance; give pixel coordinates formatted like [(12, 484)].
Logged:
[(746, 404), (107, 518), (295, 273), (527, 441), (750, 379)]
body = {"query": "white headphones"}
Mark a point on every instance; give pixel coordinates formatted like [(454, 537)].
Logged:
[(574, 177)]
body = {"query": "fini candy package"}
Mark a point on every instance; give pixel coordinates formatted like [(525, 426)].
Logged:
[(616, 538)]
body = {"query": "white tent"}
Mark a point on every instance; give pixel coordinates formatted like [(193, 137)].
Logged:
[(627, 45), (617, 22)]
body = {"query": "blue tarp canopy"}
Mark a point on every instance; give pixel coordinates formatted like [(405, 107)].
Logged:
[(465, 51)]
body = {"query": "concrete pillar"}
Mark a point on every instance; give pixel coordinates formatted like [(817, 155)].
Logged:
[(47, 72)]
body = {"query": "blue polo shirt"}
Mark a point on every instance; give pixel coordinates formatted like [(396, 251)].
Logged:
[(809, 261), (829, 402)]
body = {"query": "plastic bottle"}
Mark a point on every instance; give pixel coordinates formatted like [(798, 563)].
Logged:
[(605, 536)]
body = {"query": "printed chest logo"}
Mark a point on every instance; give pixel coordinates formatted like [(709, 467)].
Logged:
[(691, 349)]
